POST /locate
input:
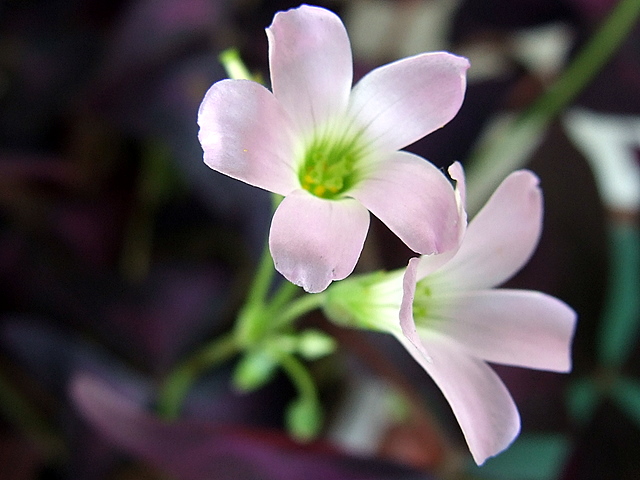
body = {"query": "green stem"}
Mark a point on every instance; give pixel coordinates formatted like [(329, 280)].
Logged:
[(258, 318), (304, 415), (259, 289), (300, 376), (179, 381), (510, 147), (297, 308), (233, 64), (177, 384), (262, 280), (590, 60), (283, 295)]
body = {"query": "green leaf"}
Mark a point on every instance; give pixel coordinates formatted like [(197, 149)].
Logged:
[(582, 399), (621, 315), (626, 394)]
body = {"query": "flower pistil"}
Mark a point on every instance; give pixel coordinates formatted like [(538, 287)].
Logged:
[(329, 166)]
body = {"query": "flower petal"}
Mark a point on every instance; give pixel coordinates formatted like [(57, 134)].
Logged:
[(457, 173), (480, 401), (414, 199), (315, 241), (311, 64), (501, 237), (513, 327), (403, 101), (430, 263), (246, 134), (407, 323)]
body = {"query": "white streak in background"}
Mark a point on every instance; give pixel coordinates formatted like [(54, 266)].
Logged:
[(543, 49), (364, 416), (609, 141), (381, 30)]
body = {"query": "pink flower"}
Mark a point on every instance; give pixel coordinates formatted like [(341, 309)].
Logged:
[(331, 151), (445, 311), (453, 321)]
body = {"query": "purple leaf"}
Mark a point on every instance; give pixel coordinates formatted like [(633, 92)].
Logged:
[(195, 450)]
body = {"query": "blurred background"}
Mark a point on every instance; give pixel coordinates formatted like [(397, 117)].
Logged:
[(120, 251)]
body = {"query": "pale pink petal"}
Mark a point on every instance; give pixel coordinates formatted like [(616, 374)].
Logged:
[(311, 65), (501, 237), (403, 101), (407, 323), (512, 327), (431, 263), (457, 173), (414, 199), (480, 401), (314, 241), (246, 134)]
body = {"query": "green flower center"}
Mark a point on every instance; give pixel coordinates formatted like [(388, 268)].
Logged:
[(422, 303), (329, 166)]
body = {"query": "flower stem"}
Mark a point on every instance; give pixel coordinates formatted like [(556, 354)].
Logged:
[(233, 64), (590, 60), (297, 308), (259, 318), (283, 295), (177, 384), (304, 415), (299, 375), (509, 148), (264, 276), (262, 280)]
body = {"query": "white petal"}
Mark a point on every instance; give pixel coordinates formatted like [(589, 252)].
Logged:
[(480, 401), (501, 237), (246, 134), (314, 241), (512, 327), (414, 199), (311, 64), (403, 101)]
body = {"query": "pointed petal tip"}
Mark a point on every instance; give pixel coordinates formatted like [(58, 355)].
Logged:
[(462, 63), (486, 412), (526, 176), (481, 455), (491, 444)]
